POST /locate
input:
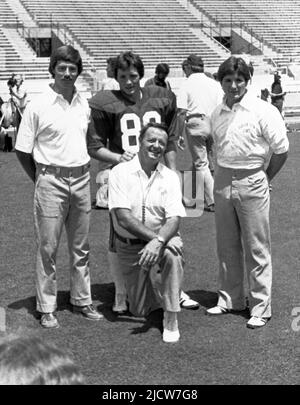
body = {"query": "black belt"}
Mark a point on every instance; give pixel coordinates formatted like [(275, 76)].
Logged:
[(62, 171), (130, 241), (195, 116)]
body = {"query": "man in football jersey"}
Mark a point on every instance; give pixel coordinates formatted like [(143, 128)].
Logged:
[(116, 121)]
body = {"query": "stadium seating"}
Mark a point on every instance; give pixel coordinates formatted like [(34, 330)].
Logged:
[(160, 31), (157, 30), (16, 56), (277, 22)]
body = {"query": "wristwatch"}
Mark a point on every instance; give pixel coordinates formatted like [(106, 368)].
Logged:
[(160, 239)]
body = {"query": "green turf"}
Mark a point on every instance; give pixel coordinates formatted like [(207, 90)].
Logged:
[(125, 350)]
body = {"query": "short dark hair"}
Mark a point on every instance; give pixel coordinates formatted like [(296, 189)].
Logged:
[(127, 59), (196, 63), (162, 68), (112, 62), (234, 65), (184, 64), (29, 360), (158, 125), (65, 53)]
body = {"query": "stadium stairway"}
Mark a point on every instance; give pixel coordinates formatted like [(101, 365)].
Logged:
[(277, 22), (16, 56)]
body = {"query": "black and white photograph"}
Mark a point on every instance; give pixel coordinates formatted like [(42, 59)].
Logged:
[(150, 216)]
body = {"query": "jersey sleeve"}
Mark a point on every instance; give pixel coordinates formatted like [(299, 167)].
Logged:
[(98, 130)]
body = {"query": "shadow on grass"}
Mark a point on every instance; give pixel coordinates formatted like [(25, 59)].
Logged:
[(101, 292), (208, 299), (105, 294)]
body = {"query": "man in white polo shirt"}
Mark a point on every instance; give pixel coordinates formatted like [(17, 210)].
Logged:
[(197, 98), (246, 130), (52, 149), (145, 203)]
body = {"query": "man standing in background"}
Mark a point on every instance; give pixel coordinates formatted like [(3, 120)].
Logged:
[(197, 98)]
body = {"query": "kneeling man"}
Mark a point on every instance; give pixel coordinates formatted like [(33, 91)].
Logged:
[(145, 203)]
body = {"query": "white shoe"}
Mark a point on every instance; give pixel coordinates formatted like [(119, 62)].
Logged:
[(186, 302), (256, 322), (170, 336), (217, 310)]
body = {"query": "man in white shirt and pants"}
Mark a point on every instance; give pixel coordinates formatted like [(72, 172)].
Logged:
[(197, 98), (145, 202), (246, 131), (52, 149)]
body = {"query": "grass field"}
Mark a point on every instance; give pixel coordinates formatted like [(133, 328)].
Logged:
[(125, 350)]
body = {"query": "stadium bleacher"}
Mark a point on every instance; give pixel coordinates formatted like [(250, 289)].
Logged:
[(277, 22), (160, 31)]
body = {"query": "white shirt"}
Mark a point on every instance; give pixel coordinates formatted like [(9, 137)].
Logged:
[(199, 94), (246, 134), (54, 131), (131, 188)]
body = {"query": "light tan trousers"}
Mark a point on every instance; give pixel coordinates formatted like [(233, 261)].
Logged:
[(242, 204)]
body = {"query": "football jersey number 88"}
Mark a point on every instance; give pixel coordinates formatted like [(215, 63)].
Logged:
[(131, 128)]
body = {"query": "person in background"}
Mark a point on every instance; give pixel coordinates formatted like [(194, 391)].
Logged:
[(161, 72), (196, 100), (245, 130), (184, 66), (18, 93), (277, 94), (110, 82)]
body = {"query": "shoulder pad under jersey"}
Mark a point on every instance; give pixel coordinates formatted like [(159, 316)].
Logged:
[(105, 100)]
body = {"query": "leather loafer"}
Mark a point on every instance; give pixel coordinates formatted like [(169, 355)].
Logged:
[(256, 322), (49, 321), (88, 311)]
